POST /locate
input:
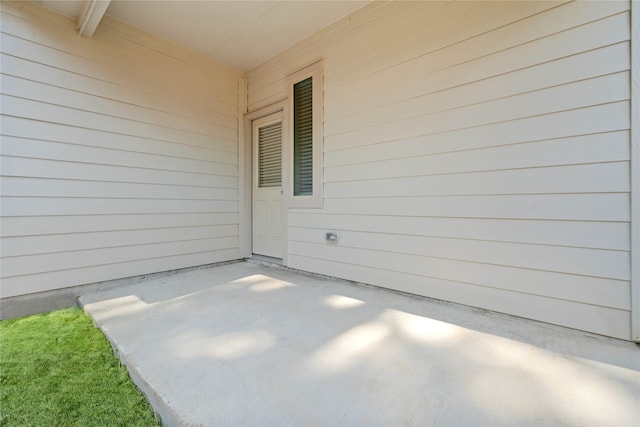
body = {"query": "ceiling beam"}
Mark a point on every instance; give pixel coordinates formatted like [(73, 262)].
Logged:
[(90, 18)]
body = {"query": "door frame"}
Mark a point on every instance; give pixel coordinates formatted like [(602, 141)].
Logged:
[(245, 158)]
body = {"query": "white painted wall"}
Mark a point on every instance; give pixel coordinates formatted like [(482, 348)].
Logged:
[(474, 152), (119, 154)]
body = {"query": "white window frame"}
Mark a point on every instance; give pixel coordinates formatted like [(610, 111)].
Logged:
[(316, 200)]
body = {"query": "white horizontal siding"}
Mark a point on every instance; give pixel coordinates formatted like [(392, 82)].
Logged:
[(579, 234), (15, 64), (44, 187), (579, 95), (28, 206), (54, 132), (610, 30), (30, 167), (505, 149), (600, 292), (70, 116), (476, 152), (589, 317), (598, 62), (67, 224), (42, 263), (119, 154), (33, 148), (581, 261), (128, 267), (31, 245), (567, 207)]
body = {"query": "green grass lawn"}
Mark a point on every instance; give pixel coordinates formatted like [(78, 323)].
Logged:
[(57, 369)]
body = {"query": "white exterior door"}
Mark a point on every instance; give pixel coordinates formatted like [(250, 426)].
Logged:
[(268, 213)]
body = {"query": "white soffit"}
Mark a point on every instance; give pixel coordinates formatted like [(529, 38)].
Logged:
[(70, 8), (240, 34)]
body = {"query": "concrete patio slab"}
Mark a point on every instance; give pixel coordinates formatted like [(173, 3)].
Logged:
[(246, 344)]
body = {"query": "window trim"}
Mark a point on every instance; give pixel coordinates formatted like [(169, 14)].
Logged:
[(316, 200)]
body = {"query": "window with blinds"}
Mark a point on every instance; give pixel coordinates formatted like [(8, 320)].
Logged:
[(303, 138), (270, 155)]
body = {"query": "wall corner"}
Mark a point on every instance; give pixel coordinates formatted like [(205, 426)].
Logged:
[(244, 175), (635, 171)]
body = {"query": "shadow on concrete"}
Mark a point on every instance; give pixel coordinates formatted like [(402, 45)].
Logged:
[(246, 344)]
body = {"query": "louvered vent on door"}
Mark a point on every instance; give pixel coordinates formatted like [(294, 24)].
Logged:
[(270, 155)]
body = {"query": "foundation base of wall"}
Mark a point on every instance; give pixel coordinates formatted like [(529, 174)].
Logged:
[(43, 302)]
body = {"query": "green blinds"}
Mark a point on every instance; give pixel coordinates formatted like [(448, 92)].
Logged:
[(270, 155), (303, 138)]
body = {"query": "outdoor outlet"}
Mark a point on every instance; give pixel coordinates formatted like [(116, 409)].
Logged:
[(331, 237)]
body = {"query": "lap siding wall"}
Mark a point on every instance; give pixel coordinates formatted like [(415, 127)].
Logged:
[(475, 152), (119, 154)]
